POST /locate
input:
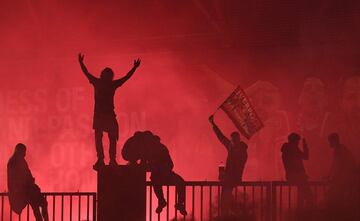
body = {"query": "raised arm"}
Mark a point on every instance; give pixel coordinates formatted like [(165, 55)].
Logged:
[(89, 76), (122, 80), (222, 138)]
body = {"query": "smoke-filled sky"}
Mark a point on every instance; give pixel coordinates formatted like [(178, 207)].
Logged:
[(293, 58)]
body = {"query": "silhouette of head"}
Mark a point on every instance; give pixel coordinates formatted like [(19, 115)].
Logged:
[(107, 75), (334, 140), (294, 138), (235, 137), (20, 150)]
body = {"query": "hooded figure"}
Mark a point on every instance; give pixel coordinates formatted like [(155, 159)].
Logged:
[(154, 155), (22, 187)]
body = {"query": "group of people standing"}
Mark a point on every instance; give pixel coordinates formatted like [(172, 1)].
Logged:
[(342, 176)]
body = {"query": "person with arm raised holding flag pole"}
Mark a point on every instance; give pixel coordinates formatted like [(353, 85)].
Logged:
[(235, 162)]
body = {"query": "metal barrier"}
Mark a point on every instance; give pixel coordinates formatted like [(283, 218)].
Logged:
[(203, 201), (285, 199), (263, 201), (61, 206)]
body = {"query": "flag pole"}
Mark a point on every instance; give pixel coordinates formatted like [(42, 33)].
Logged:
[(216, 110)]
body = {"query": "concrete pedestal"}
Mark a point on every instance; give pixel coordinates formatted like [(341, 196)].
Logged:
[(122, 193)]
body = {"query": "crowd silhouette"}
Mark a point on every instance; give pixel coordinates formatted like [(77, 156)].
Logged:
[(145, 149)]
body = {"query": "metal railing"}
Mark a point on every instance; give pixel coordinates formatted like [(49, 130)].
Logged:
[(261, 201), (285, 199), (203, 201), (63, 206)]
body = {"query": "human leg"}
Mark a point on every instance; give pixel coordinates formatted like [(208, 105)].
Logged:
[(179, 182), (99, 149), (37, 201), (157, 184), (36, 210), (112, 148)]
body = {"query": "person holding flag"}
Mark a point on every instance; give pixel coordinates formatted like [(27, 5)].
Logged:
[(235, 162)]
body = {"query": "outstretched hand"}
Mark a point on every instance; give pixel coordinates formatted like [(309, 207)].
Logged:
[(81, 57), (137, 62)]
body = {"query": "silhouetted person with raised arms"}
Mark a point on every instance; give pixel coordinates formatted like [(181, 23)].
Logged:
[(104, 115), (22, 187), (155, 156), (293, 158), (342, 192), (235, 162)]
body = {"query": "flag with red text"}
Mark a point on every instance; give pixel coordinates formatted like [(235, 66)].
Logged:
[(239, 109)]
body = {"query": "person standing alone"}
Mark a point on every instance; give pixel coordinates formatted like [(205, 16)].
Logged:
[(104, 115)]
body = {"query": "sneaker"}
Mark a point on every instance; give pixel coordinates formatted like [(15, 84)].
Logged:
[(161, 205), (181, 208), (99, 164), (113, 163)]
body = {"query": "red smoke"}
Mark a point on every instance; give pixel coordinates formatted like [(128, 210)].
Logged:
[(193, 55)]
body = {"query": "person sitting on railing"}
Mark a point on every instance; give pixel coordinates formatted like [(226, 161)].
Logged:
[(235, 162), (146, 147), (293, 158), (22, 187)]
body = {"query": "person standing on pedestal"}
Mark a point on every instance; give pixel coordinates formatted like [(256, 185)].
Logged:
[(104, 115)]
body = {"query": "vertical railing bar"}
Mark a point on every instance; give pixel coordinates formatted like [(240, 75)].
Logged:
[(315, 194), (268, 201), (261, 202), (201, 202), (62, 207), (70, 207), (150, 203), (158, 216), (219, 201), (184, 216), (176, 200), (289, 198), (2, 208), (253, 196), (87, 207), (210, 202), (11, 214), (94, 196), (28, 212), (281, 202), (168, 203), (244, 189), (193, 203), (19, 217), (273, 201), (53, 207), (79, 215)]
